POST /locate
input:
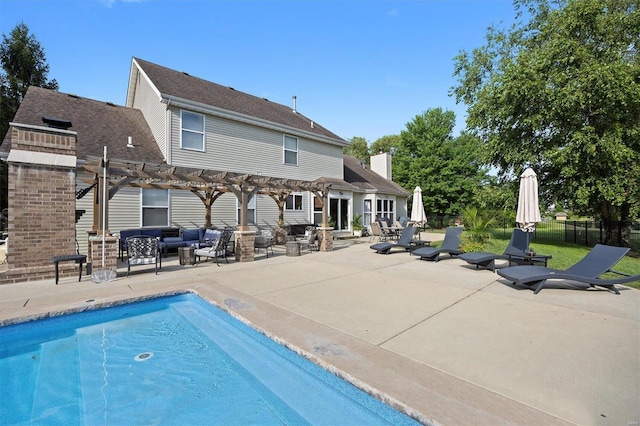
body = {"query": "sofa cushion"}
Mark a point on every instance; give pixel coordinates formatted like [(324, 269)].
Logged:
[(190, 234), (173, 242)]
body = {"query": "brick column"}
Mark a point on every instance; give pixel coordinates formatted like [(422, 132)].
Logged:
[(111, 253), (42, 203), (326, 239), (245, 244)]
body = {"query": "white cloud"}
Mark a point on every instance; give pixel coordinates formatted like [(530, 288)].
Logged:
[(393, 12)]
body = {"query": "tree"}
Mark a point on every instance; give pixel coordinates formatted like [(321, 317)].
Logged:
[(387, 143), (23, 65), (447, 169), (560, 91), (358, 148)]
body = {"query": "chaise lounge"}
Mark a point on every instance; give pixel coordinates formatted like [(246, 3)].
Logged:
[(450, 245), (517, 249), (405, 242), (598, 261)]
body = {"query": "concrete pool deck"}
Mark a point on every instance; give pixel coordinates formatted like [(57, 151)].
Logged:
[(446, 342)]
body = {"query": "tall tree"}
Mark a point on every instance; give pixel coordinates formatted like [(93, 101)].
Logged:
[(389, 143), (358, 148), (446, 168), (560, 91), (23, 65)]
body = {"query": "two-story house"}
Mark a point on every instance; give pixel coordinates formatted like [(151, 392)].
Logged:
[(173, 118)]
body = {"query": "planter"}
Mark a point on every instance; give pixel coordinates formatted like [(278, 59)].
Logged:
[(357, 233)]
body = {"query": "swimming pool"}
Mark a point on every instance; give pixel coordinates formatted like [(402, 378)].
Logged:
[(171, 360)]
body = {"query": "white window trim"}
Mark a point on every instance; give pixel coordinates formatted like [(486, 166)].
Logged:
[(143, 207), (203, 133), (294, 195), (285, 149)]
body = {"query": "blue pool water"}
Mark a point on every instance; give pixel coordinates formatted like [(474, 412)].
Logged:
[(172, 360)]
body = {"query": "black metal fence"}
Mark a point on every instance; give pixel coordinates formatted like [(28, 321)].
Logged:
[(584, 232)]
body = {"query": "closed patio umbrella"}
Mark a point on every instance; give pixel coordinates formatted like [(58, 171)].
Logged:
[(417, 210), (528, 210)]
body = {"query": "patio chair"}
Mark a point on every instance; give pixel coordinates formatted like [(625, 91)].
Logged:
[(143, 250), (218, 248), (518, 247), (387, 231), (310, 241), (599, 260), (405, 242), (450, 245), (264, 241), (376, 232)]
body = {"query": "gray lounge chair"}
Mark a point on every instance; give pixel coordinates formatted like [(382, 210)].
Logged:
[(518, 248), (450, 245), (599, 260), (404, 242)]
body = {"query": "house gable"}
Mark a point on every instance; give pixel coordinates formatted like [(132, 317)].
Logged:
[(181, 89)]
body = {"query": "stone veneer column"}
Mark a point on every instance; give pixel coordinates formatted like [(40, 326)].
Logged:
[(326, 239), (245, 245), (42, 202)]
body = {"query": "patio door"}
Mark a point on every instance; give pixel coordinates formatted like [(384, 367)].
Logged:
[(339, 213)]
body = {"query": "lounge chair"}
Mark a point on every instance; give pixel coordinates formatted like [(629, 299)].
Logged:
[(405, 242), (599, 260), (450, 245), (518, 248)]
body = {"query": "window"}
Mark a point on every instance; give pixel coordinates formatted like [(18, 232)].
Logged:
[(251, 211), (294, 202), (384, 209), (317, 210), (290, 150), (192, 131), (366, 213), (155, 207)]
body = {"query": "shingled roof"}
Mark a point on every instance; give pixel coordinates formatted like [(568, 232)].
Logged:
[(174, 84), (96, 123), (366, 180)]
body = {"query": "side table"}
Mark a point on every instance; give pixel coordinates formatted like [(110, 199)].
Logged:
[(292, 248), (186, 255)]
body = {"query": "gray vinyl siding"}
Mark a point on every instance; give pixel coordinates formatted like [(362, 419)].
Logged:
[(186, 211), (242, 148), (124, 213), (154, 112)]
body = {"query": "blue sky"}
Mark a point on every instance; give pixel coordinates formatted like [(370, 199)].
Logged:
[(359, 68)]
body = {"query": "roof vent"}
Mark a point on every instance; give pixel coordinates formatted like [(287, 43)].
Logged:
[(185, 73), (110, 103), (56, 123), (295, 98), (232, 88), (312, 124), (129, 142)]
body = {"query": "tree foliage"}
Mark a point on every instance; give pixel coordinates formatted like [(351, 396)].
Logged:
[(23, 65), (446, 168), (560, 91), (387, 143), (359, 148)]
